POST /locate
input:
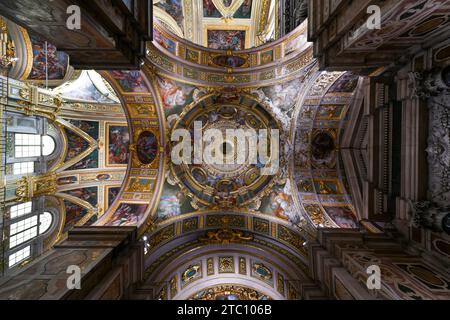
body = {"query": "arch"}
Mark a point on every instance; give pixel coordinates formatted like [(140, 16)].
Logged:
[(316, 170), (196, 261), (45, 222)]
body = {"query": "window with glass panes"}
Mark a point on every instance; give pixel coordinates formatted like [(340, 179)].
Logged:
[(23, 168)]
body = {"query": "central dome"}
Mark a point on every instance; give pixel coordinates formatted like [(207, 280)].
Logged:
[(243, 126)]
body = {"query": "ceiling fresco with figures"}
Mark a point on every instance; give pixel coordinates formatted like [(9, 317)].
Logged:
[(110, 174), (220, 24)]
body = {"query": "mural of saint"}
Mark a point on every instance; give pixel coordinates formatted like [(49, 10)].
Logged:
[(173, 94), (174, 9), (245, 10), (282, 204), (74, 213), (77, 145), (112, 194), (89, 162), (164, 42), (86, 194)]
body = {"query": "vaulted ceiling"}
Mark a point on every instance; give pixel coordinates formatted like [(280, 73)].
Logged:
[(220, 24)]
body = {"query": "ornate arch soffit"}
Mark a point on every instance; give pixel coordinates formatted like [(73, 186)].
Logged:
[(139, 197), (317, 177), (275, 62), (222, 227)]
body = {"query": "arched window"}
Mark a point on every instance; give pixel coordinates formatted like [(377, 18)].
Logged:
[(45, 222)]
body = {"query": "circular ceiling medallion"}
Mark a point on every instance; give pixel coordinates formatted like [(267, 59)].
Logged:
[(236, 181)]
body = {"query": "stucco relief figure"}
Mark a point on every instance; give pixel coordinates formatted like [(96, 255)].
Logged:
[(275, 108)]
